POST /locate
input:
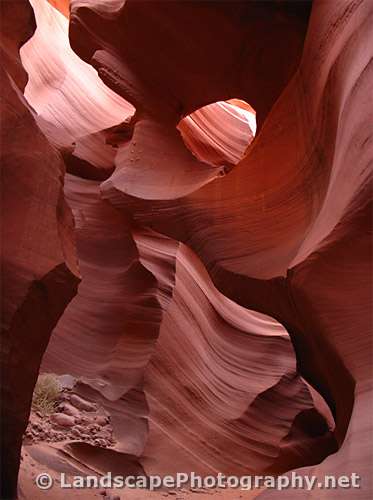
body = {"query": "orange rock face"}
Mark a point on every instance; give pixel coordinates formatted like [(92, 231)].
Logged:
[(224, 315), (39, 264)]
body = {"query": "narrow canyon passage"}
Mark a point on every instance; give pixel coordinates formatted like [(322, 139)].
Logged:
[(187, 242)]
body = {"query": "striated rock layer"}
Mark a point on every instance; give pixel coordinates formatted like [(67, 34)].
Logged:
[(224, 315), (155, 311), (288, 231)]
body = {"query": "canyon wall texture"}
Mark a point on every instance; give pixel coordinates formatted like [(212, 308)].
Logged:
[(224, 314), (39, 270)]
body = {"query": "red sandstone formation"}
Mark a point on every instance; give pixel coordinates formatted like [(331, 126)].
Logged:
[(39, 265), (223, 319)]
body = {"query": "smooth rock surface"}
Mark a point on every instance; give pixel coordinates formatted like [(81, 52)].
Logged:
[(224, 317)]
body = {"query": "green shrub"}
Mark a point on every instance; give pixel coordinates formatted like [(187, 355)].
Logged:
[(46, 393)]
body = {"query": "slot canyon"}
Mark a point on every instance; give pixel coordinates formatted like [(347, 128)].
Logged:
[(187, 219)]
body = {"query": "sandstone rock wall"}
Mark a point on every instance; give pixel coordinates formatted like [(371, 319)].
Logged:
[(224, 315)]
